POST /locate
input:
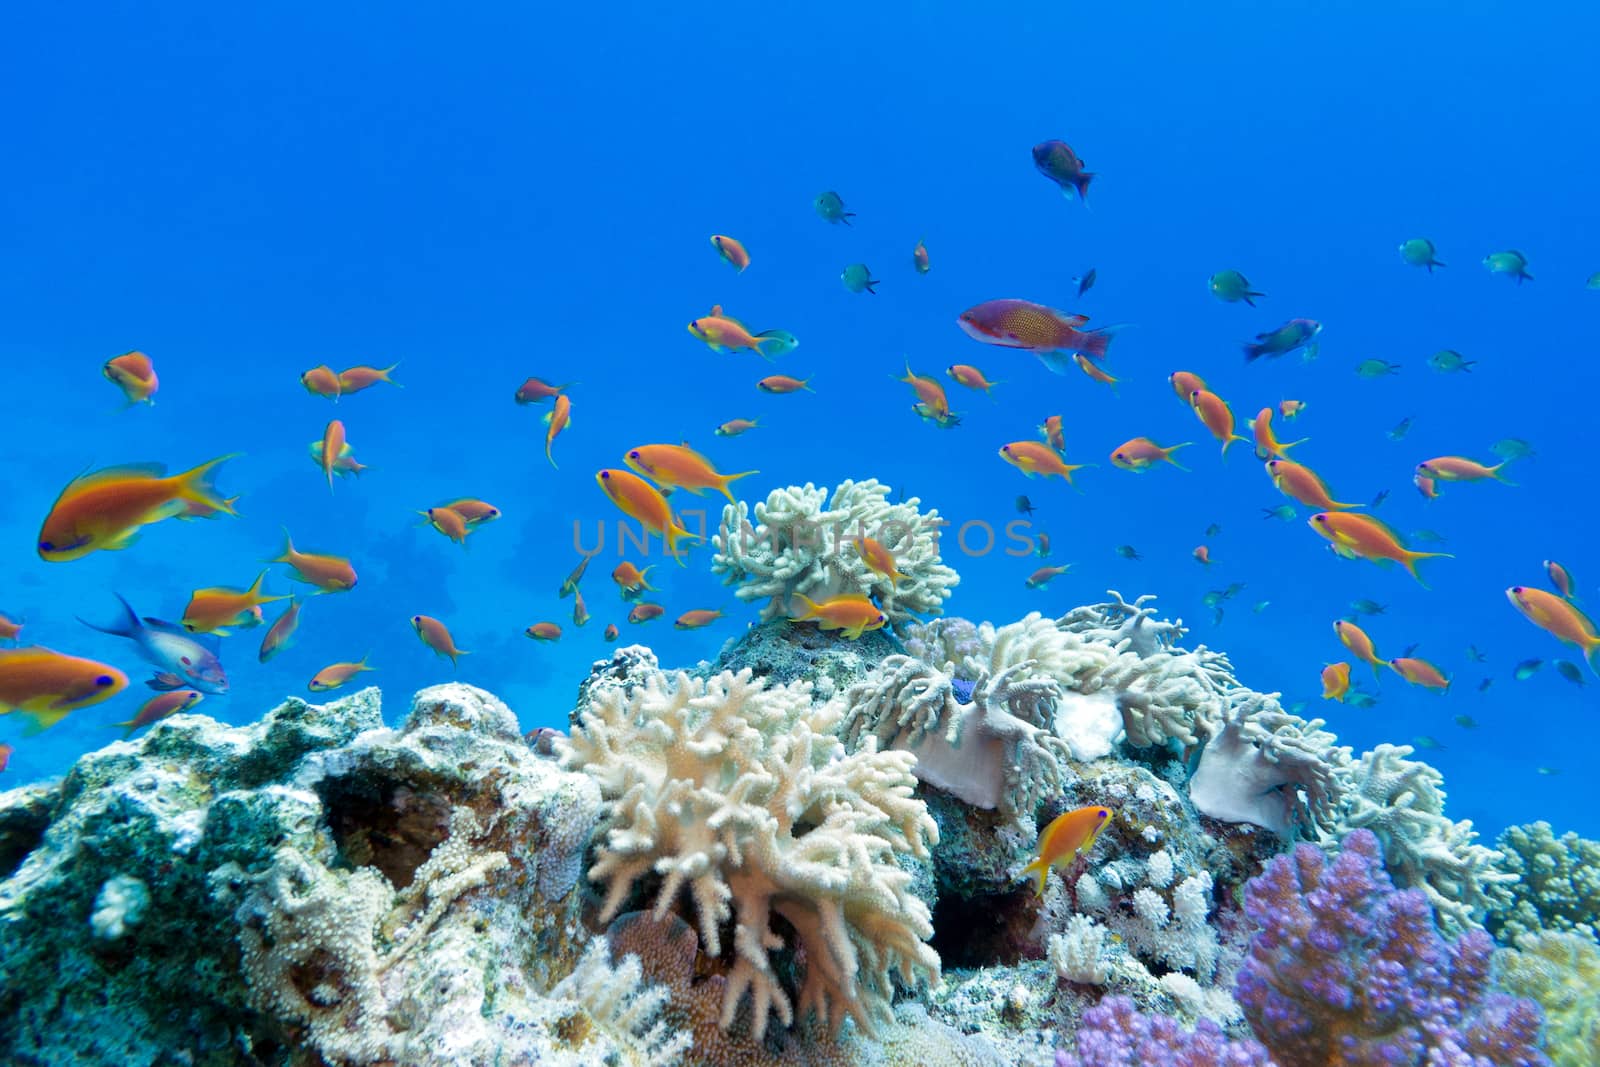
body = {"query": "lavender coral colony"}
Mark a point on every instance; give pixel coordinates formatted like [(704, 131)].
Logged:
[(1070, 841)]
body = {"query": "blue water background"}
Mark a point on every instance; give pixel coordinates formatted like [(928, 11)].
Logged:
[(504, 190)]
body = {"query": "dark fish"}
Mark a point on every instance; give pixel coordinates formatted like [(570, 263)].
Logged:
[(1366, 607), (1057, 161), (1383, 494), (1213, 530), (1570, 672), (1128, 552), (1024, 506), (191, 662), (1483, 686), (1357, 699), (1401, 428), (1425, 742), (831, 207), (1296, 333), (1085, 281), (1527, 669), (1513, 448), (1476, 656), (1466, 722)]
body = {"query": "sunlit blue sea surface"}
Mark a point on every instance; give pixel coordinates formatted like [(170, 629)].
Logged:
[(503, 190)]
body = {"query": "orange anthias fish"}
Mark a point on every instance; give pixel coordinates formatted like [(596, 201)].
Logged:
[(103, 510), (1049, 334), (1141, 453), (1185, 383), (1425, 485), (330, 574), (558, 418), (1364, 537), (1053, 433), (278, 635), (344, 463), (1267, 444), (1299, 482), (611, 632), (47, 685), (731, 251), (1095, 371), (333, 446), (159, 707), (1069, 835), (336, 674), (474, 512), (449, 522), (5, 755), (213, 610), (321, 381), (358, 378), (853, 613), (1034, 457), (640, 500), (9, 627), (724, 334), (1202, 555), (1290, 409), (1420, 672), (1460, 469), (919, 257), (1336, 681), (783, 383), (735, 427), (135, 375), (580, 610), (569, 584), (544, 631), (1215, 414), (631, 580), (645, 612), (1360, 645), (681, 467), (697, 618), (971, 377), (1557, 617), (878, 558), (437, 637), (931, 400), (537, 391)]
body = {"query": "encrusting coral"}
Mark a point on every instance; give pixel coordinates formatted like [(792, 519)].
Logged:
[(1561, 973), (1116, 1034), (741, 796), (802, 544), (1553, 884)]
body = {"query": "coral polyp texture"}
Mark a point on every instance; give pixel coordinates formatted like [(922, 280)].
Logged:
[(1116, 1034), (1345, 969), (1551, 883), (739, 796), (802, 543)]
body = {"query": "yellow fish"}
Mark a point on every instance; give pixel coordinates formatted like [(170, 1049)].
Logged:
[(1364, 537), (1560, 618), (1069, 835), (1335, 681), (212, 610), (640, 500), (103, 510), (1036, 457), (47, 685), (336, 674), (681, 467), (724, 334), (851, 612)]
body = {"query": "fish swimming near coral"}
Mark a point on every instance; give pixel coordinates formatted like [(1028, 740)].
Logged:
[(853, 613), (192, 660), (1068, 836)]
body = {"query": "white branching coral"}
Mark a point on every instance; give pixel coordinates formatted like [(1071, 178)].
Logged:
[(624, 1006), (996, 750), (1402, 802), (1272, 769), (1078, 953), (802, 544), (740, 796)]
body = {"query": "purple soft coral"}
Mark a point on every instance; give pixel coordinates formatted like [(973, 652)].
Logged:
[(1115, 1034), (1344, 969)]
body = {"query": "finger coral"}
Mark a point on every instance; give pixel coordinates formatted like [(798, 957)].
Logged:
[(1345, 969), (1560, 972), (803, 544), (1116, 1034), (1554, 883), (739, 795)]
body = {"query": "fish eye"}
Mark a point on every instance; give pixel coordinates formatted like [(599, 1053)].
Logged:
[(46, 546), (104, 679), (1102, 814), (605, 474), (634, 454), (416, 618), (1517, 589)]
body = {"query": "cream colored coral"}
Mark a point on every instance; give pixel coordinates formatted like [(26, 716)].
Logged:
[(1561, 971), (801, 544), (1078, 953), (740, 797), (625, 1006)]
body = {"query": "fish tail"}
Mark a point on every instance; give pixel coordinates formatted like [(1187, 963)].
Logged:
[(1284, 446), (288, 549), (1095, 342), (196, 486), (727, 478), (1411, 560), (811, 608), (872, 287), (385, 372), (1228, 443), (1250, 295), (1591, 655), (1040, 870), (1081, 185), (1253, 352), (1170, 451), (1495, 471), (548, 441)]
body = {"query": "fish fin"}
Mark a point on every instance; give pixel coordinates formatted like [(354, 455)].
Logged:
[(871, 287), (1057, 362), (1040, 870), (126, 470), (1096, 342), (195, 485), (129, 626), (1413, 558)]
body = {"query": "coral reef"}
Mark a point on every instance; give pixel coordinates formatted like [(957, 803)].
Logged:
[(1561, 973), (1344, 968), (1116, 1034), (740, 795), (1553, 883), (801, 544), (1402, 802), (1271, 769)]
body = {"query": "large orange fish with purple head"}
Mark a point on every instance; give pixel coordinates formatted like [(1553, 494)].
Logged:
[(1051, 335)]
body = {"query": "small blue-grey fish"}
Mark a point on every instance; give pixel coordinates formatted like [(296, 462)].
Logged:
[(1230, 287), (1377, 501), (857, 278), (1128, 552), (1483, 686), (1475, 655), (1283, 512), (1357, 699), (1296, 333), (831, 207), (1401, 428), (1513, 448), (1449, 361), (1424, 741), (1366, 607), (1466, 722), (1549, 770), (1024, 506), (1570, 672), (1260, 606), (1429, 537), (1057, 161), (1376, 368), (173, 650), (1419, 252), (774, 343), (1510, 262), (1527, 669), (1594, 281), (1085, 281)]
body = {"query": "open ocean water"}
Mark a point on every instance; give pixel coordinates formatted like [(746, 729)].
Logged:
[(497, 191)]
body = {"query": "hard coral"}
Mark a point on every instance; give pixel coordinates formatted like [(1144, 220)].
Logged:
[(1345, 969), (1555, 883), (802, 544), (741, 795), (1115, 1034), (1560, 972)]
